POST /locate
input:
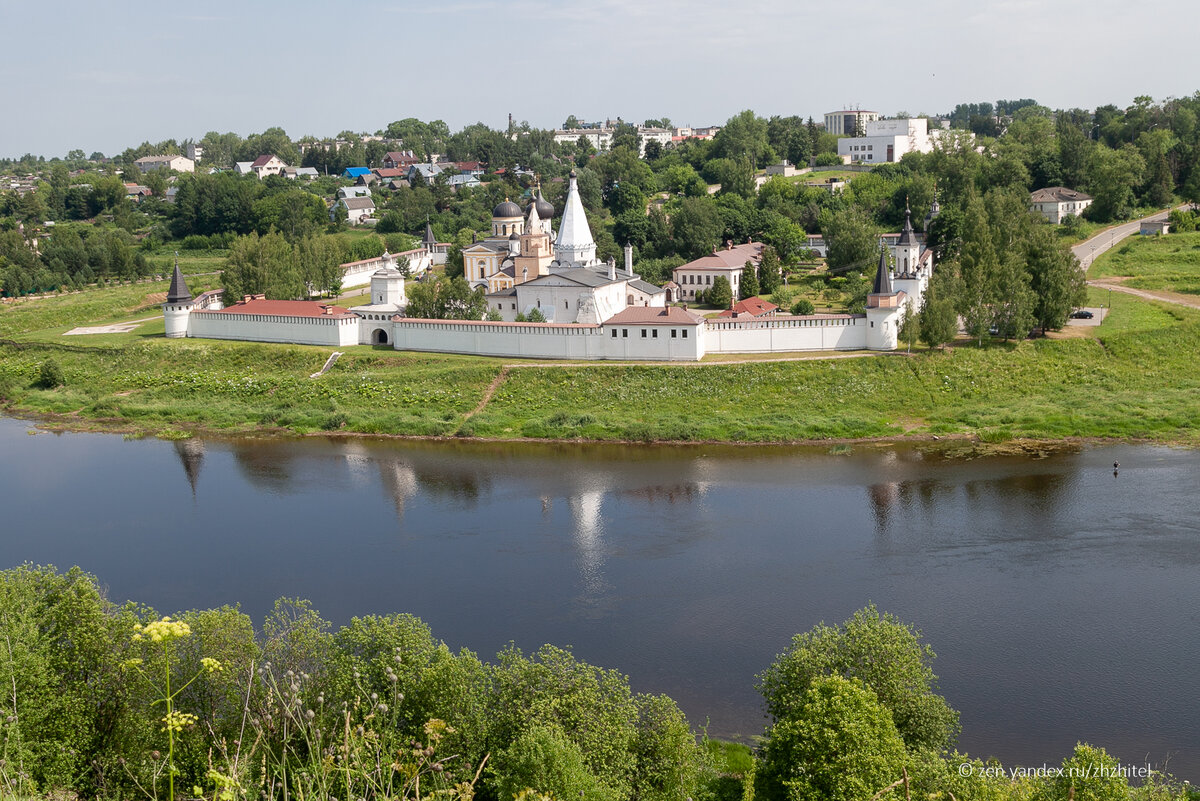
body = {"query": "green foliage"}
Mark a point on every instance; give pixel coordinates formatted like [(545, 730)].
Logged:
[(535, 316), (803, 306), (50, 375), (853, 239), (547, 761), (748, 286), (696, 227), (266, 265), (445, 299), (885, 655), (592, 706), (1089, 774), (770, 273), (721, 293), (838, 743)]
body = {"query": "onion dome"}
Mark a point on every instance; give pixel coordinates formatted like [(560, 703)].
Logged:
[(507, 209), (545, 208)]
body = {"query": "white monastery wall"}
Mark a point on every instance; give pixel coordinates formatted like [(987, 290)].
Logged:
[(337, 332)]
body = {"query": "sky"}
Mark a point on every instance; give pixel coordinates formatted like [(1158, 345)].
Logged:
[(104, 75)]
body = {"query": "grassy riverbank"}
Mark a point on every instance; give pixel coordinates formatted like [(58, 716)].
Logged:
[(1132, 377)]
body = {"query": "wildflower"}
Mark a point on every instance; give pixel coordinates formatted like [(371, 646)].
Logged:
[(178, 721), (131, 663), (211, 665), (383, 708)]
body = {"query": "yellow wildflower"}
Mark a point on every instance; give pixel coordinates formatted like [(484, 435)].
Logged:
[(211, 665)]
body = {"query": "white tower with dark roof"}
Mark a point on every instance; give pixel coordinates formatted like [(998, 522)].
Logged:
[(179, 305)]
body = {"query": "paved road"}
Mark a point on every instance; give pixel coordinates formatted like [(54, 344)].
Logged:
[(1104, 241)]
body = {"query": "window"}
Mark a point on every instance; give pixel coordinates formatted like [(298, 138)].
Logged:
[(708, 279), (624, 333), (514, 306), (643, 333), (566, 304), (655, 334), (614, 333), (685, 333), (674, 333)]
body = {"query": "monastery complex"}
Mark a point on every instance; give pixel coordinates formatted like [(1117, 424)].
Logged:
[(593, 309)]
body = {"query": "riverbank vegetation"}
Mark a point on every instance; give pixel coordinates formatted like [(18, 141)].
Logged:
[(107, 700)]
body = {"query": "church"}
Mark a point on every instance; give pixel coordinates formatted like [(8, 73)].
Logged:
[(565, 282)]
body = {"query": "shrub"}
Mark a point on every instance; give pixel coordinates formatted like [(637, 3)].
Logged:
[(51, 375), (803, 306)]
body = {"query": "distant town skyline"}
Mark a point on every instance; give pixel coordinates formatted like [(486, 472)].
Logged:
[(105, 77)]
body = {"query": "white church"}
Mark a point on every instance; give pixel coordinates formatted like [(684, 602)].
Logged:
[(592, 309)]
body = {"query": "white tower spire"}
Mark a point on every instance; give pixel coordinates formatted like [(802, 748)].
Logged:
[(574, 244)]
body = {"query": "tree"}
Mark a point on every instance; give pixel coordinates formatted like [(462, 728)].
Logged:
[(851, 237), (544, 759), (1055, 277), (445, 299), (696, 227), (744, 136), (939, 320), (1089, 774), (721, 293), (770, 273), (266, 265), (910, 326), (1112, 176), (883, 653), (748, 286), (838, 744), (802, 307), (535, 316)]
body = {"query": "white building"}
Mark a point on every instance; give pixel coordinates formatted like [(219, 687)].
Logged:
[(889, 140), (697, 276), (849, 121), (175, 162), (1056, 202), (388, 300)]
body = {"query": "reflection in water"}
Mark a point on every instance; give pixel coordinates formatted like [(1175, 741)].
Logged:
[(191, 455), (588, 535)]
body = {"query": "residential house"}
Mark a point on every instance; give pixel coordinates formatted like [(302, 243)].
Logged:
[(137, 193), (267, 165), (355, 172), (307, 173), (353, 191), (170, 162), (399, 159), (1057, 202), (357, 208)]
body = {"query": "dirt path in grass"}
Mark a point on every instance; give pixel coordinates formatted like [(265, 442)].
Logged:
[(1149, 294)]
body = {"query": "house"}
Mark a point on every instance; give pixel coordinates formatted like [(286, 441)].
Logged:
[(267, 165), (137, 193), (427, 172), (698, 275), (353, 191), (355, 172), (456, 182), (171, 162), (1057, 202), (751, 307), (466, 167), (307, 173), (399, 159), (390, 173), (357, 208)]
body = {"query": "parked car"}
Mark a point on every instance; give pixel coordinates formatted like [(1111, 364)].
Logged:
[(1081, 314)]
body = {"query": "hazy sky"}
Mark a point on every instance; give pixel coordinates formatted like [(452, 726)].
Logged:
[(109, 74)]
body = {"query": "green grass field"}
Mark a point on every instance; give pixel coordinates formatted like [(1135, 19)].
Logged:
[(1170, 263)]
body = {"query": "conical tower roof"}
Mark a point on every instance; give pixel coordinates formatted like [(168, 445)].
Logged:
[(883, 279), (574, 242), (429, 238), (178, 293), (908, 237)]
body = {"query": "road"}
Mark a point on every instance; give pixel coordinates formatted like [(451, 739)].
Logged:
[(1104, 241)]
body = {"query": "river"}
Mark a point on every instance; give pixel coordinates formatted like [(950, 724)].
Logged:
[(1063, 601)]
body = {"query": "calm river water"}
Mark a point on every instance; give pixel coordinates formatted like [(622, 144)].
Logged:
[(1063, 601)]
